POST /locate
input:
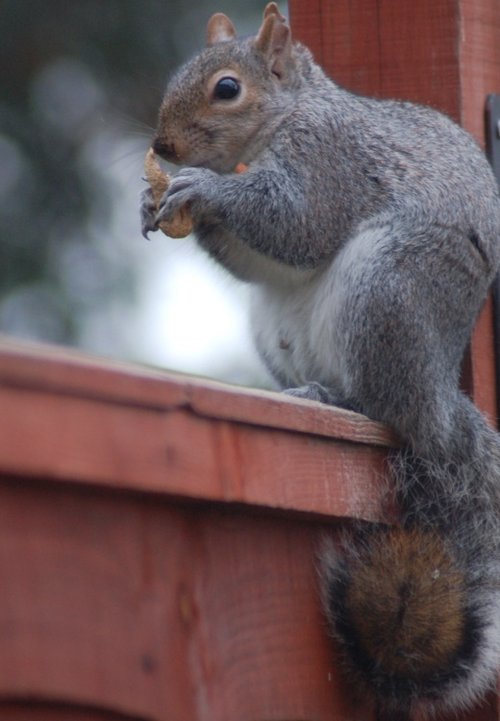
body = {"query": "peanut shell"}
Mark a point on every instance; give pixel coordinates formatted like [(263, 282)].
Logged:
[(181, 224)]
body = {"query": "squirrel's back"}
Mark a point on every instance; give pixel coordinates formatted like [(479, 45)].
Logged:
[(396, 156)]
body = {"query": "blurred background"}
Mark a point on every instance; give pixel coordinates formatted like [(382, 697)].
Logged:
[(80, 86)]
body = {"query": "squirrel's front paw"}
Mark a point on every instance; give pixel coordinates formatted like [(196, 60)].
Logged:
[(148, 212), (193, 187)]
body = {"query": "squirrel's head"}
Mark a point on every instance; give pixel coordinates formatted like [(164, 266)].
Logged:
[(219, 107)]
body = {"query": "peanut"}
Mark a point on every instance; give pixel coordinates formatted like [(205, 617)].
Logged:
[(181, 224)]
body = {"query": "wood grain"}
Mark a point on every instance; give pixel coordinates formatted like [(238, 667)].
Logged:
[(120, 605), (162, 612), (384, 48), (86, 424), (61, 372), (30, 710)]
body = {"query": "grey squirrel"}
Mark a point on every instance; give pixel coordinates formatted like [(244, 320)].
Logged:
[(370, 231)]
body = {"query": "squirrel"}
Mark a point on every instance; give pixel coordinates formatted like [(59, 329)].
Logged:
[(370, 232)]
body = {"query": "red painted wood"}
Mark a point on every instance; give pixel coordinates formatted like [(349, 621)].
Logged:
[(479, 60), (186, 439), (61, 372), (385, 48), (42, 711), (162, 611), (158, 543)]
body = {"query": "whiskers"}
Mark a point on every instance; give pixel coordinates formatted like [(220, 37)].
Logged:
[(129, 125)]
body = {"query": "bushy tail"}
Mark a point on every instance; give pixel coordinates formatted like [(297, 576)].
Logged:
[(416, 609)]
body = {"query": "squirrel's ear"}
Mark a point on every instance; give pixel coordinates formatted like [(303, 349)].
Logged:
[(274, 39), (273, 9), (220, 29)]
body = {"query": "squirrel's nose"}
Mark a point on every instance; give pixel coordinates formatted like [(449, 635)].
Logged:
[(166, 151)]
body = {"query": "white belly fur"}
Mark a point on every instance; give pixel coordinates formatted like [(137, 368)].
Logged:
[(302, 330)]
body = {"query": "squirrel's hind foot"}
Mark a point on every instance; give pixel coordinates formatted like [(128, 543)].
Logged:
[(316, 392)]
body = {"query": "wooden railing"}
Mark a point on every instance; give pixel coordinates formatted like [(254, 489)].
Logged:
[(159, 539)]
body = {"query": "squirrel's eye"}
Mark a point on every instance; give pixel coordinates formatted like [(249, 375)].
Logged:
[(226, 89)]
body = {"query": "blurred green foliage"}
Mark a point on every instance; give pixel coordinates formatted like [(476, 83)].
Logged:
[(70, 72)]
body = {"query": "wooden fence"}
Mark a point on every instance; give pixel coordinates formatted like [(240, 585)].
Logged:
[(158, 540), (158, 544), (159, 534)]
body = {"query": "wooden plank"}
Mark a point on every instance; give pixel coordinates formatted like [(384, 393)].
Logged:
[(479, 60), (274, 410), (42, 711), (178, 453), (383, 48), (97, 423), (61, 372), (125, 605), (86, 612)]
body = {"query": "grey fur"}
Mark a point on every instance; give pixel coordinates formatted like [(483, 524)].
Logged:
[(370, 231)]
